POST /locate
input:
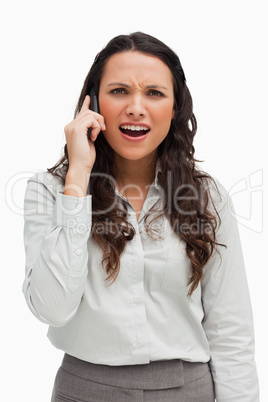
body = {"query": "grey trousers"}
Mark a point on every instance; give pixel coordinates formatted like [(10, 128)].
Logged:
[(158, 381)]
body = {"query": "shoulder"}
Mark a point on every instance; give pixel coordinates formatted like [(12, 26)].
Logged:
[(47, 181), (215, 188), (218, 196)]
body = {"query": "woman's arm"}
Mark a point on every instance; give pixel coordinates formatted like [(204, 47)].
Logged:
[(57, 227), (228, 321), (56, 232)]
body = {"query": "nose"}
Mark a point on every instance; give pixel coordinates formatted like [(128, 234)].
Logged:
[(135, 106)]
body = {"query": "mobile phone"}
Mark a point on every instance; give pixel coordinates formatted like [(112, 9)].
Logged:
[(94, 105)]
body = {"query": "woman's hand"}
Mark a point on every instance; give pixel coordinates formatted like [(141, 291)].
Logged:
[(81, 149)]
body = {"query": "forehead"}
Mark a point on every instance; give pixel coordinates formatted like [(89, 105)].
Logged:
[(136, 67)]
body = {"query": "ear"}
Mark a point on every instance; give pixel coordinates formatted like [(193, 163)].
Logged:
[(173, 114)]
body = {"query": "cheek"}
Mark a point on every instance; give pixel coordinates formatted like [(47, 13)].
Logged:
[(105, 111), (109, 110), (165, 114)]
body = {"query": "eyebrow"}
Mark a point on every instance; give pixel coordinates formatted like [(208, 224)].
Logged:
[(121, 84)]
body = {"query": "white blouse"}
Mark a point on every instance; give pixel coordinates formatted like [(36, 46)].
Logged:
[(146, 314)]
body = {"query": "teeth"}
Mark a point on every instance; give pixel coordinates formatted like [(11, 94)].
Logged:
[(134, 128)]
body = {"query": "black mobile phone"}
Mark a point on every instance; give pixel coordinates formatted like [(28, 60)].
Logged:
[(94, 105)]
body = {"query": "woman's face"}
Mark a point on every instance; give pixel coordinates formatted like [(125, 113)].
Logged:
[(136, 100)]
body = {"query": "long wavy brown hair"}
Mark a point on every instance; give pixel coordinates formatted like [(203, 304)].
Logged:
[(188, 209)]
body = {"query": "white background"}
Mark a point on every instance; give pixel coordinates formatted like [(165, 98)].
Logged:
[(47, 49)]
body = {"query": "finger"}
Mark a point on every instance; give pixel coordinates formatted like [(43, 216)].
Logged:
[(86, 103), (88, 119), (101, 122), (95, 130)]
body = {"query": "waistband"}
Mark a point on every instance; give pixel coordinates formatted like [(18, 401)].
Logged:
[(160, 374)]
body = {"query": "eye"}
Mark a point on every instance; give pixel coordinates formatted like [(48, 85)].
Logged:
[(154, 92), (119, 91)]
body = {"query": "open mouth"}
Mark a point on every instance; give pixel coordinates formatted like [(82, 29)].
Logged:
[(134, 131)]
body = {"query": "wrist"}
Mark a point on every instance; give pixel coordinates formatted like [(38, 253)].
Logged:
[(76, 182)]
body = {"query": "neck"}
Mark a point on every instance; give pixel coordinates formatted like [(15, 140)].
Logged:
[(137, 172)]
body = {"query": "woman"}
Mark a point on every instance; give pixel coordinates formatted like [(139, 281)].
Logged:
[(132, 254)]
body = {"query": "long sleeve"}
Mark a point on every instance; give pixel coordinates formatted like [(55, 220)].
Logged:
[(228, 321), (56, 232)]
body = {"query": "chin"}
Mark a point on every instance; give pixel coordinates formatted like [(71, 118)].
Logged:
[(132, 156)]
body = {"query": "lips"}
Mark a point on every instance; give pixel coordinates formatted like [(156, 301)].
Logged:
[(133, 130)]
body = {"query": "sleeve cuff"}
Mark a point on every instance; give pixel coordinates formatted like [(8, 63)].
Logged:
[(73, 212)]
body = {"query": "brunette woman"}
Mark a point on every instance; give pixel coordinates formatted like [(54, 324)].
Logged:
[(133, 255)]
